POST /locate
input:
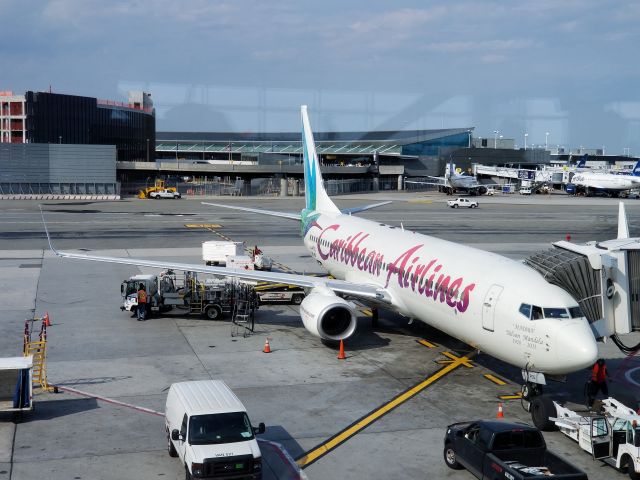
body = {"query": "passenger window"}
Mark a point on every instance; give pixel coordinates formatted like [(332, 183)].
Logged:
[(472, 435), (536, 313), (525, 310)]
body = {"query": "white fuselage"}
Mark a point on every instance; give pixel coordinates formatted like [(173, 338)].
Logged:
[(463, 181), (606, 181), (470, 294)]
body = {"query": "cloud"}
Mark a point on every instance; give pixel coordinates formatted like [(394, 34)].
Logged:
[(481, 46)]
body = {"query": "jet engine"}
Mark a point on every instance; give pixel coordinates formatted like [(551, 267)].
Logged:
[(328, 316)]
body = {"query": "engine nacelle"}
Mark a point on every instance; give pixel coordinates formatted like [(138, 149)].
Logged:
[(328, 316)]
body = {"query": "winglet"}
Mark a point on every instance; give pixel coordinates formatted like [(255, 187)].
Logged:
[(46, 231), (623, 226)]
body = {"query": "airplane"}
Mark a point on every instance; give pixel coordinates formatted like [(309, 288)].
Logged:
[(496, 305), (613, 184), (453, 182)]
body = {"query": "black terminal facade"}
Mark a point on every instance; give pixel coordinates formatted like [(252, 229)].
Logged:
[(71, 119)]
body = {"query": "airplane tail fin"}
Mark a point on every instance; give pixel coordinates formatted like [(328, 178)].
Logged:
[(315, 195), (449, 171), (583, 161), (636, 170)]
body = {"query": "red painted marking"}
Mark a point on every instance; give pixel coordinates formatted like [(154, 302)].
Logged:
[(111, 401)]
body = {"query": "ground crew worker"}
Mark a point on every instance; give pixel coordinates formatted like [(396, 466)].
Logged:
[(256, 251), (599, 377), (142, 303)]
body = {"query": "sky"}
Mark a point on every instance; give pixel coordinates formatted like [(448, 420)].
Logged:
[(569, 68)]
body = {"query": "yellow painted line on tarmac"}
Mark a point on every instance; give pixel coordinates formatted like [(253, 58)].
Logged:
[(494, 379), (515, 396), (202, 225), (427, 343), (356, 427)]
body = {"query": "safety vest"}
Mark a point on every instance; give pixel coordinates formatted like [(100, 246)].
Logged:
[(142, 296), (599, 374)]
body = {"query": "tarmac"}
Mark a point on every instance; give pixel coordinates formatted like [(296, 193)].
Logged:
[(381, 413)]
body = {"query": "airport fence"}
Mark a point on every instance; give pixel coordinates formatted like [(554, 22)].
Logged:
[(261, 187)]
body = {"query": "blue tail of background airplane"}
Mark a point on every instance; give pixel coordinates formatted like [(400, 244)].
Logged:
[(583, 161), (636, 170)]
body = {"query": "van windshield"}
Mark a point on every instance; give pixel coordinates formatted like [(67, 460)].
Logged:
[(219, 428)]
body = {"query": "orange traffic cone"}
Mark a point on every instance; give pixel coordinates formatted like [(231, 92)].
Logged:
[(341, 355), (45, 319), (500, 412), (267, 347)]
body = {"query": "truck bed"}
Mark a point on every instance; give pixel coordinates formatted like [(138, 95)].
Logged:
[(534, 463)]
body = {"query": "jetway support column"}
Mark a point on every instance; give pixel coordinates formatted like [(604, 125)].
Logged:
[(376, 184), (296, 187), (400, 182), (246, 187), (283, 187)]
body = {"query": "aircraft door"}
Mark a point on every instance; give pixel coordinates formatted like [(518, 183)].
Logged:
[(489, 306)]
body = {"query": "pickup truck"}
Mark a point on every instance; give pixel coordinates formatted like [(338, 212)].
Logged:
[(525, 191), (491, 449), (165, 194), (462, 202)]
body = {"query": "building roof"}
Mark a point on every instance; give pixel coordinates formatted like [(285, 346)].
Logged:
[(337, 143)]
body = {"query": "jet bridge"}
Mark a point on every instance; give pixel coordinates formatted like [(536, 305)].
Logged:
[(603, 277)]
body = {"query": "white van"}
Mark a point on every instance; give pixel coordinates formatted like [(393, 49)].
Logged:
[(209, 429)]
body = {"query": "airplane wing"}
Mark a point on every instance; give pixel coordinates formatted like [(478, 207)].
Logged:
[(349, 211), (295, 216), (290, 216), (438, 181), (361, 291)]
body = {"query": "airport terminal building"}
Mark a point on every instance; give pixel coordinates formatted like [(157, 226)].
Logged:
[(52, 143)]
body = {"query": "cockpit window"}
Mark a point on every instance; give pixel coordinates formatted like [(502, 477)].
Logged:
[(556, 313), (525, 310), (575, 312), (536, 313)]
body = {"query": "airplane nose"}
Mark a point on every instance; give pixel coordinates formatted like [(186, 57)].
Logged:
[(576, 347)]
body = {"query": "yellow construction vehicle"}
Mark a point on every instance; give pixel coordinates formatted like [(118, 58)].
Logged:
[(157, 187)]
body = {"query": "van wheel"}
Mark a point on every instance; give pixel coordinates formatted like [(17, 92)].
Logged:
[(213, 312), (170, 448), (297, 299)]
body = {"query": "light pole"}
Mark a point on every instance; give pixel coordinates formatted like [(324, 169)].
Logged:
[(525, 140), (495, 138), (469, 132), (147, 149), (60, 139), (546, 141)]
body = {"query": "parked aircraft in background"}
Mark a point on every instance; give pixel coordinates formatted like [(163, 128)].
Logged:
[(496, 305), (453, 182), (590, 183)]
